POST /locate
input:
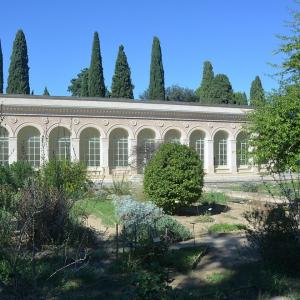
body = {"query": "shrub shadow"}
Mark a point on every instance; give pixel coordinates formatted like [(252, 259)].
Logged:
[(196, 210)]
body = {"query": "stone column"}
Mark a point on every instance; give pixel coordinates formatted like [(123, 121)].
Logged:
[(209, 157), (44, 149), (12, 150), (104, 155), (232, 156), (132, 155), (75, 149)]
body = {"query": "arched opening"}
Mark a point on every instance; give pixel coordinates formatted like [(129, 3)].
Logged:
[(221, 149), (145, 148), (197, 141), (3, 145), (89, 147), (242, 149), (172, 136), (29, 145), (118, 148), (60, 144)]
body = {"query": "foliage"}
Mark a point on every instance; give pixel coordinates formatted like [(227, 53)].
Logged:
[(178, 93), (274, 232), (240, 98), (118, 187), (1, 70), (203, 92), (122, 86), (174, 177), (84, 88), (224, 227), (157, 80), (206, 218), (68, 176), (214, 198), (46, 92), (275, 129), (78, 82), (221, 90), (145, 95), (257, 94), (96, 78), (20, 172), (18, 73), (249, 187)]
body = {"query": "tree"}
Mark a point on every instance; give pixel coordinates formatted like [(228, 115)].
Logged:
[(96, 78), (76, 83), (203, 92), (122, 86), (257, 94), (240, 98), (177, 93), (18, 73), (157, 80), (84, 89), (46, 92), (1, 70), (221, 90)]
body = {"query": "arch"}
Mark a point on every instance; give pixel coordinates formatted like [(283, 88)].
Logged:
[(29, 124), (118, 148), (143, 127), (242, 149), (60, 143), (221, 148), (90, 125), (29, 145), (146, 146), (197, 141), (172, 135), (4, 145), (222, 129), (126, 128), (61, 125), (89, 147), (206, 133)]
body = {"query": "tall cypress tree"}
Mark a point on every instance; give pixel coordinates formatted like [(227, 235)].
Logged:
[(203, 92), (157, 80), (96, 78), (84, 90), (121, 82), (257, 94), (46, 92), (221, 90), (1, 70), (18, 73)]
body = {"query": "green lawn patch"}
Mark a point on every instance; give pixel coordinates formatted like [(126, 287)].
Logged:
[(103, 209), (225, 227), (214, 198)]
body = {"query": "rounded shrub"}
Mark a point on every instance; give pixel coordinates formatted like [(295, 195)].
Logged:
[(174, 177)]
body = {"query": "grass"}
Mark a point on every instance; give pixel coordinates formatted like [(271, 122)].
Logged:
[(219, 277), (214, 198), (206, 218), (225, 227), (103, 209)]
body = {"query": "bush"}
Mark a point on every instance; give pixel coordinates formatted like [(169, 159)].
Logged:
[(214, 198), (21, 171), (174, 177), (249, 187), (68, 176), (274, 233), (144, 221)]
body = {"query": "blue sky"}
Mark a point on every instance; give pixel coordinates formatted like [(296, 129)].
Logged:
[(237, 36)]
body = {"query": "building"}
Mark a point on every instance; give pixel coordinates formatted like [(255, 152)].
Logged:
[(116, 136)]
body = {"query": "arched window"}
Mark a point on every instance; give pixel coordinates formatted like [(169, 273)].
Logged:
[(89, 147), (242, 149), (172, 136), (29, 145), (220, 148), (60, 144), (118, 148), (197, 140), (145, 147), (3, 146)]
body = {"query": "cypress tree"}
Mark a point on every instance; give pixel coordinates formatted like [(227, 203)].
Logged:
[(84, 90), (1, 70), (203, 92), (257, 94), (96, 79), (46, 92), (121, 82), (18, 73), (240, 98), (157, 80), (221, 90)]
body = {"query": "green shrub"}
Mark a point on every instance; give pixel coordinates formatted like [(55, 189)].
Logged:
[(249, 187), (6, 175), (214, 198), (224, 227), (174, 177), (21, 171), (68, 176)]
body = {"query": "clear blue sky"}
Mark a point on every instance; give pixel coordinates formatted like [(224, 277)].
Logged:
[(237, 36)]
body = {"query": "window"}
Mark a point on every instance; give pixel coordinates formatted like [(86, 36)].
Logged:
[(120, 152), (60, 144), (3, 146), (63, 148), (173, 136), (242, 149), (197, 140), (220, 148), (90, 147), (33, 150)]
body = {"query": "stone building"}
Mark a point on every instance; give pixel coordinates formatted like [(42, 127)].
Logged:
[(115, 136)]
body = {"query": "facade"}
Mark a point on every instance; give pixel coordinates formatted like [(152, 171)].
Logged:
[(117, 136)]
